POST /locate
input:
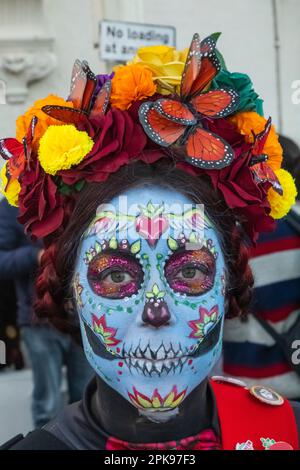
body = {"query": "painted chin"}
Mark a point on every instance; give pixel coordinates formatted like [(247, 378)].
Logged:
[(159, 363)]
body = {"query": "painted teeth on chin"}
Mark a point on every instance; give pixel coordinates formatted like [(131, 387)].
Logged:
[(160, 353), (159, 366)]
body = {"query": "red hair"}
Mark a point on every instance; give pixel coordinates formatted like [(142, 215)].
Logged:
[(53, 286)]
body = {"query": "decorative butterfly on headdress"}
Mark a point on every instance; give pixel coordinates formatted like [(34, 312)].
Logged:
[(261, 170), (169, 121), (16, 153), (83, 85)]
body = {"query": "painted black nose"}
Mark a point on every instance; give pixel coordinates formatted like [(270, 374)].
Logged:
[(156, 313)]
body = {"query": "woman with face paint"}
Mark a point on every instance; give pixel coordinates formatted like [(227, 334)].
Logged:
[(148, 191)]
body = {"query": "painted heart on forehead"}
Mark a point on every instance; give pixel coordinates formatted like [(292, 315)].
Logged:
[(151, 224), (149, 288)]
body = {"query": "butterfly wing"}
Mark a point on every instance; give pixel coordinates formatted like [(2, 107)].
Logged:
[(208, 44), (27, 141), (65, 114), (210, 67), (207, 150), (209, 64), (216, 103), (261, 138), (10, 147), (191, 68), (83, 84), (262, 173), (175, 111), (102, 100), (158, 128)]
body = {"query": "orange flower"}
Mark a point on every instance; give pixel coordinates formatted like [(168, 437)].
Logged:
[(44, 121), (249, 121), (131, 83)]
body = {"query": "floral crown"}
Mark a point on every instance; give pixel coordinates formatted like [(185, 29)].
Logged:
[(163, 104)]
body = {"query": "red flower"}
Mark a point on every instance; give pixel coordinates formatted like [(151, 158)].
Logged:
[(40, 204), (118, 139), (243, 194)]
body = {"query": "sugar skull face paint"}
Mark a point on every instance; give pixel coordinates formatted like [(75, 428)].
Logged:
[(151, 299)]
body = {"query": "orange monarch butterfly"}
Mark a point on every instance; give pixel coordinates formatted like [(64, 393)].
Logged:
[(169, 120)]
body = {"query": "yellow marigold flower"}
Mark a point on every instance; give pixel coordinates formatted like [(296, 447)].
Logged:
[(166, 65), (11, 190), (44, 121), (280, 205), (249, 121), (63, 146), (131, 83)]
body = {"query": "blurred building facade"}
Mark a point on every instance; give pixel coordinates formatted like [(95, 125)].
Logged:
[(40, 39)]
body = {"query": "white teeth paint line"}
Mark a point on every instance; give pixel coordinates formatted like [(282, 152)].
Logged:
[(158, 365), (160, 354)]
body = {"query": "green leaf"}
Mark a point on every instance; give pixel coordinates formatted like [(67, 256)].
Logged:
[(193, 238), (97, 247), (155, 289), (65, 189), (160, 295), (172, 244), (79, 185), (113, 243), (135, 247)]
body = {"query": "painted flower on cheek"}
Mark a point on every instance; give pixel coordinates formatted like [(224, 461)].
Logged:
[(107, 334), (172, 400), (206, 320)]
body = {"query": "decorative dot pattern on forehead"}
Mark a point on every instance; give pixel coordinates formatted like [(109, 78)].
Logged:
[(145, 304)]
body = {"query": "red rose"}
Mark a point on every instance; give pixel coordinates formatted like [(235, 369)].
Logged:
[(242, 194), (117, 140), (40, 204)]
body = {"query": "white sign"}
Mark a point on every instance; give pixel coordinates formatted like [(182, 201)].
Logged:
[(120, 40)]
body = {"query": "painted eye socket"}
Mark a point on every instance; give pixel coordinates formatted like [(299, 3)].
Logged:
[(114, 275), (191, 272)]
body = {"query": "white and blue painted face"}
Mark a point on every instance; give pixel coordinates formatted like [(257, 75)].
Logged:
[(149, 285)]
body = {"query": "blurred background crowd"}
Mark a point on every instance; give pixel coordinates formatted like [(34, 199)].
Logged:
[(39, 41)]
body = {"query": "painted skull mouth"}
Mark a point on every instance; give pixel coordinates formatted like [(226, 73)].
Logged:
[(159, 368), (161, 361)]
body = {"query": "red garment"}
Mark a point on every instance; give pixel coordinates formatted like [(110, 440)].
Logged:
[(205, 440), (243, 417)]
